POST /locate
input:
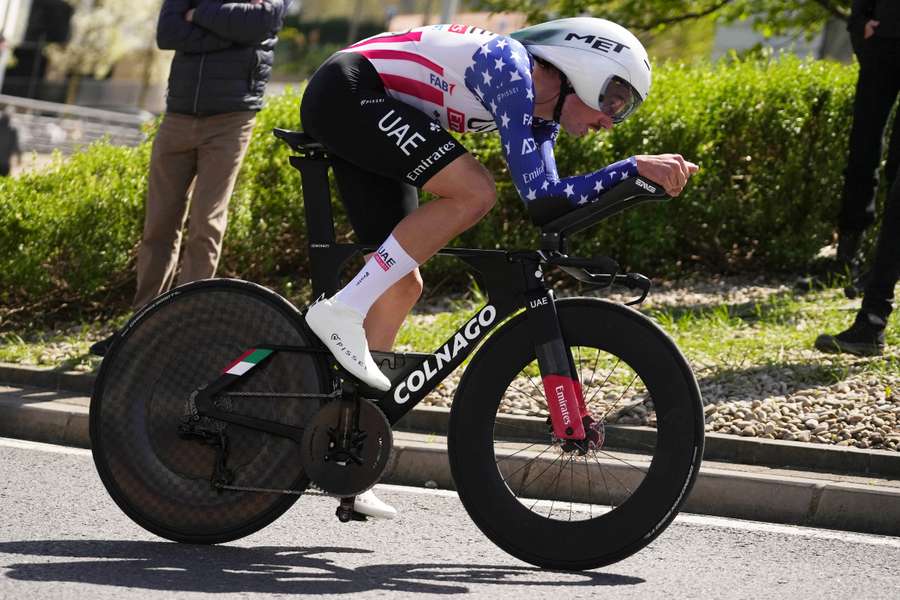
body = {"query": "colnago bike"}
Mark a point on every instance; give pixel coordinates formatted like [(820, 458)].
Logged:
[(216, 407)]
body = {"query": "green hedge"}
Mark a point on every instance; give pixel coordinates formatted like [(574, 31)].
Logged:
[(770, 137)]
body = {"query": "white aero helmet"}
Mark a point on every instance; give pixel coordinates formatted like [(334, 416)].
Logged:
[(606, 65)]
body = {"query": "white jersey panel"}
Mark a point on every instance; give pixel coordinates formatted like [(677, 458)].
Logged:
[(425, 68)]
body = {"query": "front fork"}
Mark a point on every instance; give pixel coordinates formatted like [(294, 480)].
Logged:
[(558, 374)]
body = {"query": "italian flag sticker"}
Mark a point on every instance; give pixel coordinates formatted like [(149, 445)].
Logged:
[(247, 361)]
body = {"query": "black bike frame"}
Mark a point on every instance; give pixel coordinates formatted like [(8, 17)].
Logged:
[(512, 280)]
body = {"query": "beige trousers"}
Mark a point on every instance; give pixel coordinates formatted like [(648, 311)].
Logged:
[(193, 168)]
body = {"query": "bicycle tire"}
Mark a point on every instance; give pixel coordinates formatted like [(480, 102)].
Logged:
[(482, 457), (181, 341)]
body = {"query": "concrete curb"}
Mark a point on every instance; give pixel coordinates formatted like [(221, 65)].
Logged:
[(728, 448), (793, 500), (722, 490)]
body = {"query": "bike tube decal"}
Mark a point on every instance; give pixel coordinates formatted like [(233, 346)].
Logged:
[(562, 400), (416, 385), (246, 361)]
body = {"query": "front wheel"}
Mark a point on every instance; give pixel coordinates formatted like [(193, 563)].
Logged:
[(558, 505)]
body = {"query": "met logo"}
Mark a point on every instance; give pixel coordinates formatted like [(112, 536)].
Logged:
[(598, 43)]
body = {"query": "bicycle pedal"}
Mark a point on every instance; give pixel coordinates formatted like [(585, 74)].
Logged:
[(346, 515)]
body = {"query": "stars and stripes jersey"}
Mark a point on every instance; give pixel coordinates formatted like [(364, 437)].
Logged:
[(472, 80)]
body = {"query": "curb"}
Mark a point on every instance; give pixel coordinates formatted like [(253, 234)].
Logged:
[(719, 492), (723, 490), (51, 379), (719, 447)]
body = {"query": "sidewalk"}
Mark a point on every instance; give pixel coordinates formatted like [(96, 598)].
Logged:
[(850, 489)]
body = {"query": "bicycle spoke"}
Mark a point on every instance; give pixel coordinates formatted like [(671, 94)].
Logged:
[(600, 387), (624, 462), (571, 485), (609, 498), (613, 475), (505, 479), (536, 387), (614, 404), (556, 480), (594, 368), (497, 462), (522, 489), (539, 399), (587, 469)]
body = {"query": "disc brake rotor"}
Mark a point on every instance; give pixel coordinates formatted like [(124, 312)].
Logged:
[(346, 467)]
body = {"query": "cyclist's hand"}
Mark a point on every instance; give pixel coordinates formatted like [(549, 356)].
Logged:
[(671, 171)]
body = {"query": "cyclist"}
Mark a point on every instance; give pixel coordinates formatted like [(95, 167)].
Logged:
[(383, 108)]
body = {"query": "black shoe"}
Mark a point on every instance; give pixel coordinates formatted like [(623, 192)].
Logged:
[(102, 347), (864, 338)]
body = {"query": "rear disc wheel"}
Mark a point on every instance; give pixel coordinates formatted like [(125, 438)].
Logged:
[(183, 341)]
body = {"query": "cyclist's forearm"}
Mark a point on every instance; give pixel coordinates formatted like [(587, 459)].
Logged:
[(538, 184)]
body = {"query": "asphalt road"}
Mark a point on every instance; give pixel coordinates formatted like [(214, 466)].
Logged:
[(62, 537)]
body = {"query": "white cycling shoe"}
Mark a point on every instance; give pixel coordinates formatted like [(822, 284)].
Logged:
[(371, 505), (340, 328)]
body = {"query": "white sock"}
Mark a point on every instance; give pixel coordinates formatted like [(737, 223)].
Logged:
[(387, 266)]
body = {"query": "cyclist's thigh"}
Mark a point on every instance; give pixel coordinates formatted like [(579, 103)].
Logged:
[(374, 203), (346, 108)]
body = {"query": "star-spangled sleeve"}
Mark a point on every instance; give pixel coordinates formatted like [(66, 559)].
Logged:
[(500, 75)]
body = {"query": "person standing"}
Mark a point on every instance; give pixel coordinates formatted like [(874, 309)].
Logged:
[(874, 27), (222, 63), (9, 145)]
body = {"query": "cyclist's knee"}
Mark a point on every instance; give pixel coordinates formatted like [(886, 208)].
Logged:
[(481, 196), (411, 286)]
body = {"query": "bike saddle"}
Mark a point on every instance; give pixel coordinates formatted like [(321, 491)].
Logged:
[(298, 140)]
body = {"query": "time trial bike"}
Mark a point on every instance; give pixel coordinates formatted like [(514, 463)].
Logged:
[(216, 407)]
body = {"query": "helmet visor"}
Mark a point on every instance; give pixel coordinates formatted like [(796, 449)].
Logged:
[(618, 99)]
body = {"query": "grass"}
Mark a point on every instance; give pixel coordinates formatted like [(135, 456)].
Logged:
[(772, 335)]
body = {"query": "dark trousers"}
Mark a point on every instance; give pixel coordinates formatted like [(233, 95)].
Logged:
[(879, 292), (876, 93)]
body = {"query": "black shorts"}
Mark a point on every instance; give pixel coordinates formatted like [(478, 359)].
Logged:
[(382, 149)]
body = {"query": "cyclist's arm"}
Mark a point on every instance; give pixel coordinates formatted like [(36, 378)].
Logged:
[(174, 33), (508, 92), (242, 22)]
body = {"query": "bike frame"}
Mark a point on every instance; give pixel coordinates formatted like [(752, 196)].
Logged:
[(512, 280)]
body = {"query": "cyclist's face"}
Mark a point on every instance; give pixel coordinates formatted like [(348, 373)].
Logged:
[(578, 118)]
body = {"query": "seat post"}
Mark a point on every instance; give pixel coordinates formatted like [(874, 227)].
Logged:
[(324, 262), (316, 196)]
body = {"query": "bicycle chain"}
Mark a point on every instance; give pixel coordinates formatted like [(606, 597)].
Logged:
[(312, 490)]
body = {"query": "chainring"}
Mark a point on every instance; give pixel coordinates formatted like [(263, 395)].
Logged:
[(352, 471)]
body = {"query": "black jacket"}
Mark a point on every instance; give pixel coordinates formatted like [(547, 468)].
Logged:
[(223, 59), (886, 12)]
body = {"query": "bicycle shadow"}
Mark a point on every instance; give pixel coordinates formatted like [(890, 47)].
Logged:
[(165, 566)]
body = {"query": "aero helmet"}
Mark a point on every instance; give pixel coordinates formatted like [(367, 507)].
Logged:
[(604, 63)]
